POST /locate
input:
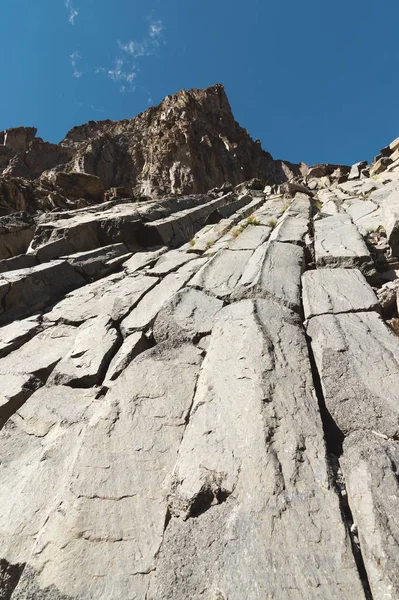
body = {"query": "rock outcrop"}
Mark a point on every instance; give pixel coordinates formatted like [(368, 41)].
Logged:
[(198, 395), (188, 144)]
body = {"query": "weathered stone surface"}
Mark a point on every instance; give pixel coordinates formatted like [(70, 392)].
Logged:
[(114, 296), (370, 464), (251, 505), (174, 478), (221, 273), (39, 445), (252, 237), (28, 367), (365, 214), (274, 271), (16, 233), (78, 231), (18, 138), (86, 363), (356, 169), (132, 346), (387, 295), (146, 310), (170, 262), (22, 261), (29, 290), (15, 334), (357, 357), (189, 315), (336, 291), (338, 243), (292, 229), (143, 259), (100, 262), (390, 217), (76, 185), (102, 539)]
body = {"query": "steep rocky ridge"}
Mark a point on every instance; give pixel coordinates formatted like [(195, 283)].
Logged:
[(190, 143), (198, 395)]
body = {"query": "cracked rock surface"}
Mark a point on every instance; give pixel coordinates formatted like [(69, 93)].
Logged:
[(199, 394)]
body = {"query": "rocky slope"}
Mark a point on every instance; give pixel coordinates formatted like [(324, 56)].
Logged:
[(198, 396), (190, 143)]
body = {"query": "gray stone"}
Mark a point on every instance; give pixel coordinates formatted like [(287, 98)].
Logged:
[(97, 263), (132, 346), (170, 262), (15, 334), (365, 214), (336, 291), (80, 231), (190, 314), (370, 465), (28, 367), (357, 357), (356, 169), (252, 508), (143, 258), (29, 290), (292, 229), (390, 217), (148, 308), (221, 273), (274, 271), (387, 296), (338, 243), (86, 363), (251, 237), (114, 296), (102, 537), (22, 261), (16, 233), (38, 448)]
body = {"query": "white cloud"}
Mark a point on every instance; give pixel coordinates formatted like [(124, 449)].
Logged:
[(126, 66), (73, 12), (149, 45), (75, 56)]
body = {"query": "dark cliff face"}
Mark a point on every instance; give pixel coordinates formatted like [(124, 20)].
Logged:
[(189, 143)]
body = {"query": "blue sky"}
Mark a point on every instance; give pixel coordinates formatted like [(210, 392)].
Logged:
[(313, 80)]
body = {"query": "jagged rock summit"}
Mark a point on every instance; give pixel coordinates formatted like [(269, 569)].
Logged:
[(198, 391), (188, 144)]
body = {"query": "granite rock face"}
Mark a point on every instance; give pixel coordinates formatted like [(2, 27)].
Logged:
[(198, 394)]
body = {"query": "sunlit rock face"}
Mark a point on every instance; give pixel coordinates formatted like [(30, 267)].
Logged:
[(198, 374)]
